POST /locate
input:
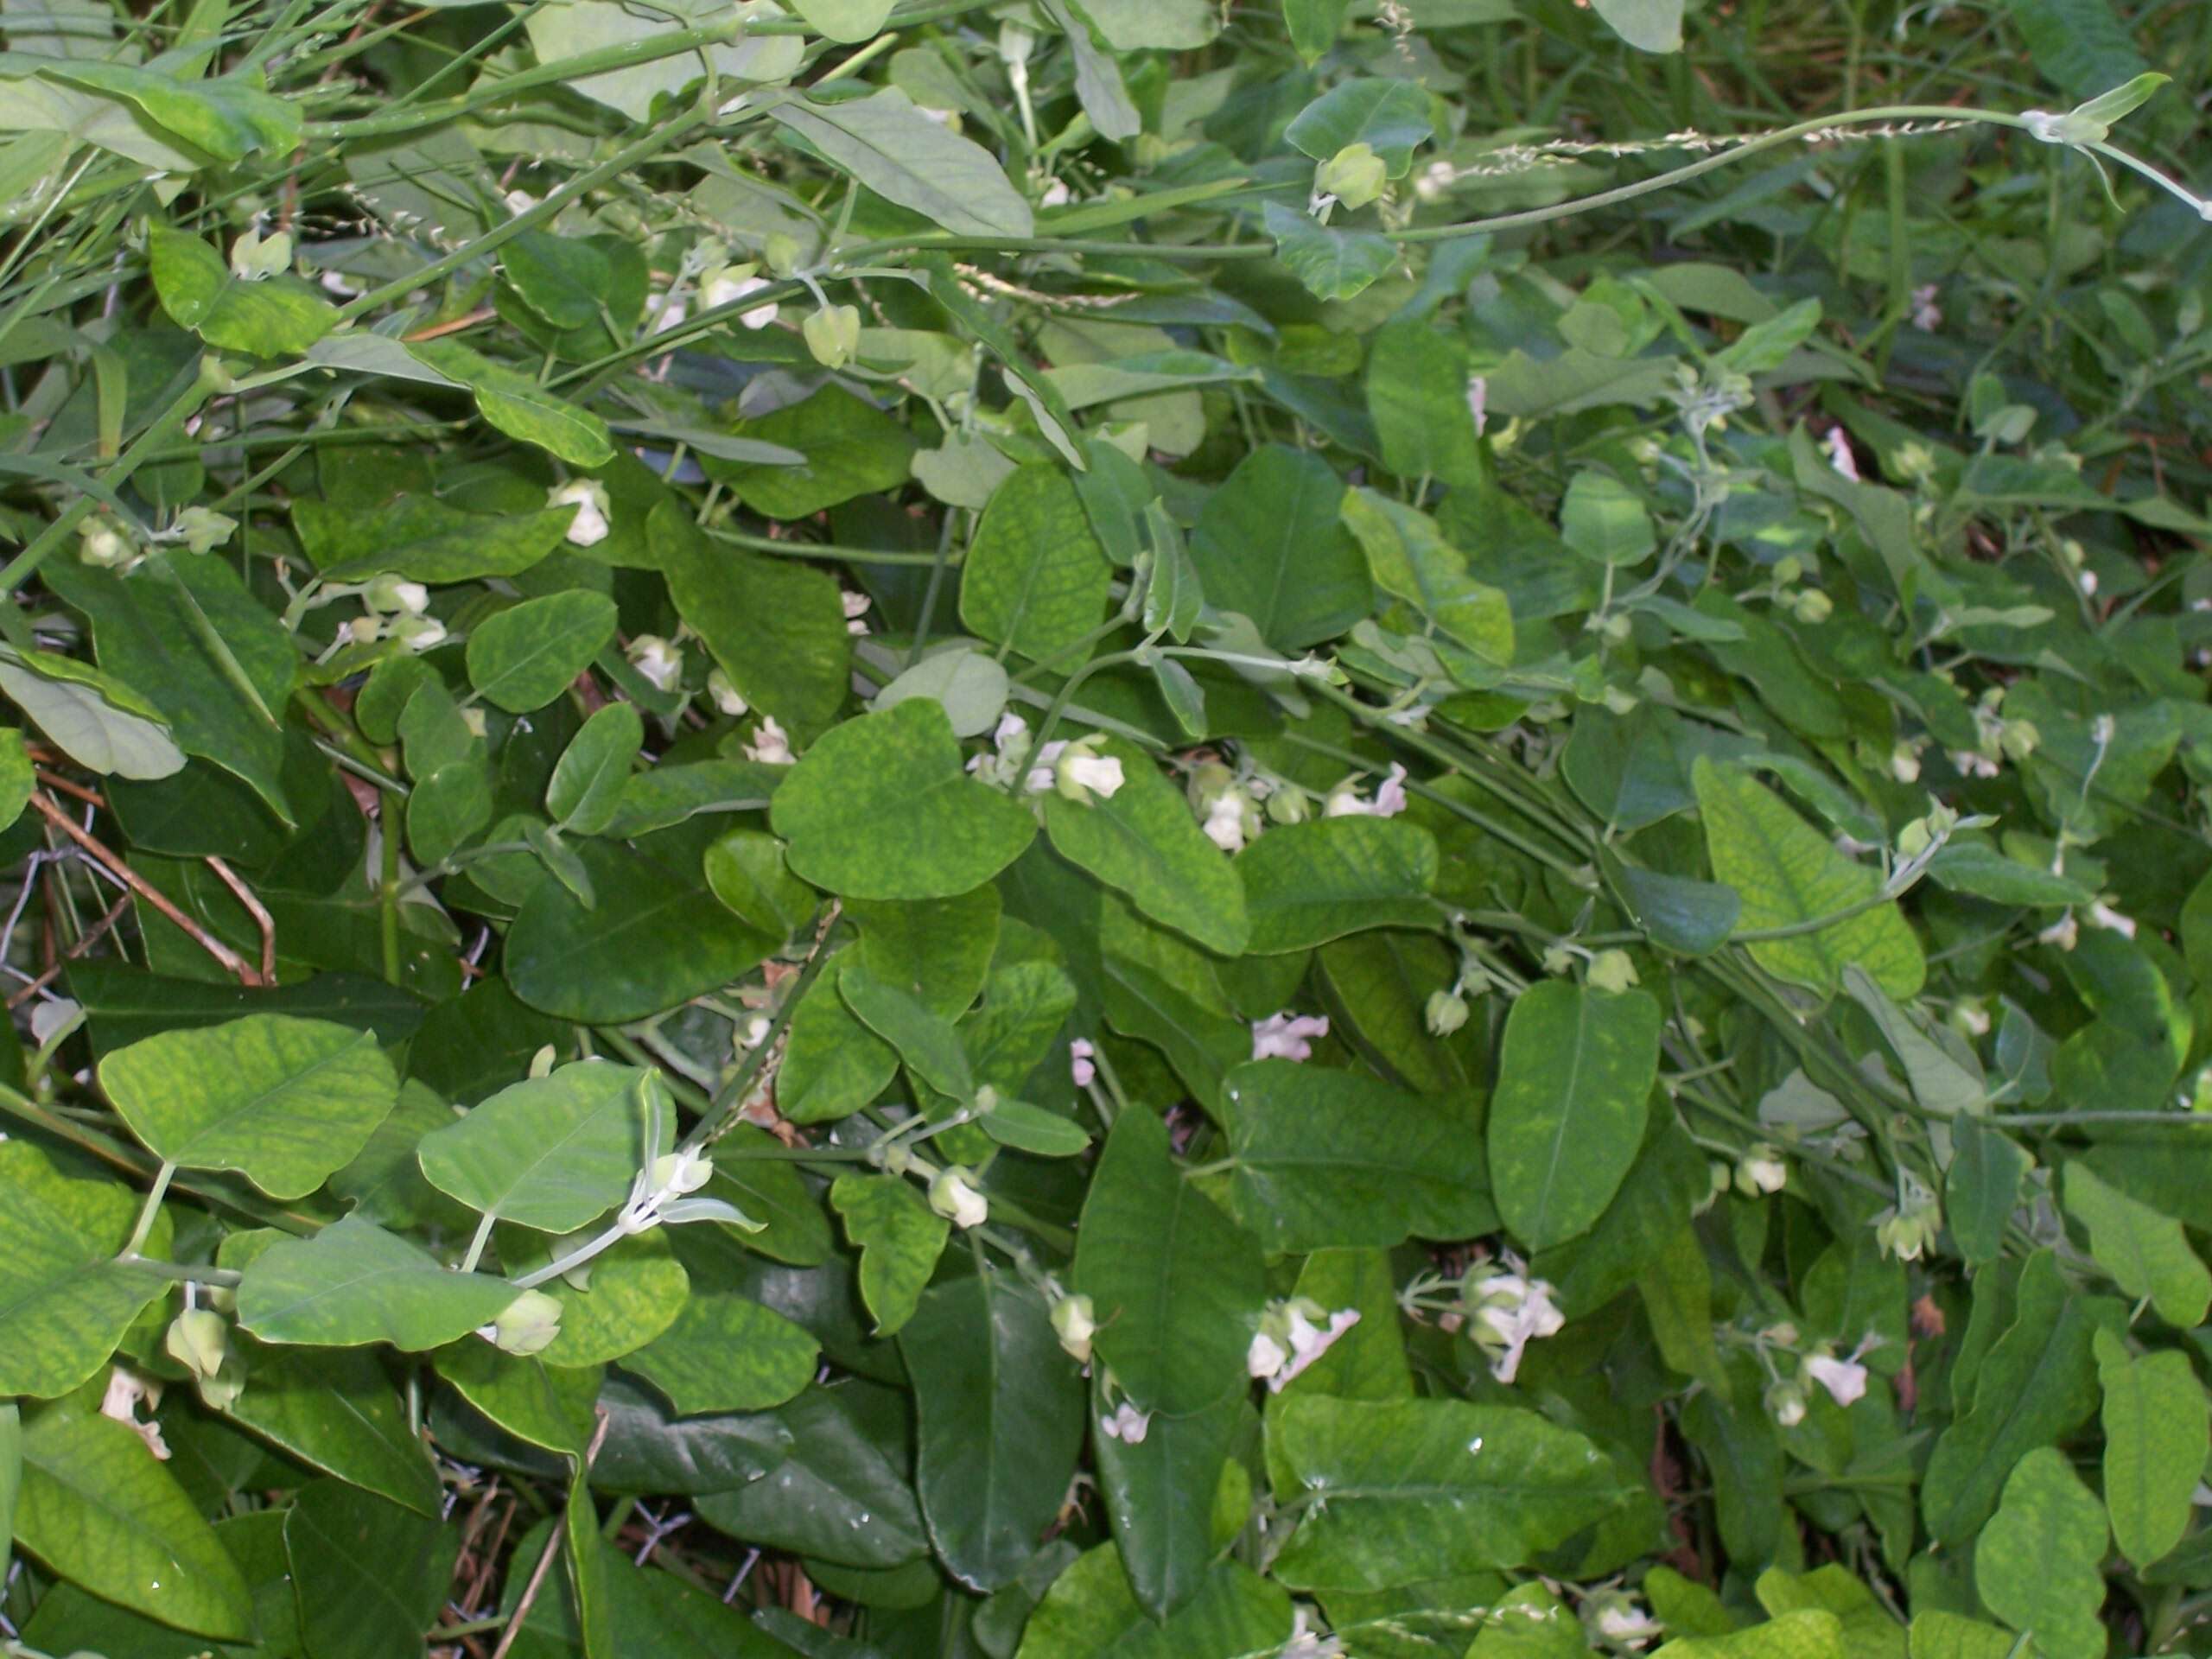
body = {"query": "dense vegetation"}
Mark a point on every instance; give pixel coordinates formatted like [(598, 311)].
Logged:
[(1096, 827)]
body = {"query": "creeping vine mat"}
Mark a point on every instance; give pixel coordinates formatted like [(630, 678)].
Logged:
[(1045, 829)]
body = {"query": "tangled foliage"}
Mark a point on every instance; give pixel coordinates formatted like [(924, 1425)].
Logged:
[(1100, 827)]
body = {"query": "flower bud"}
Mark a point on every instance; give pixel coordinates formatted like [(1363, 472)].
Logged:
[(1761, 1170), (1445, 1013), (731, 283), (725, 695), (1813, 606), (527, 1326), (1785, 1402), (203, 529), (419, 633), (833, 335), (1787, 569), (781, 253), (1081, 773), (1075, 1322), (102, 545), (1612, 970), (390, 595), (953, 1196), (200, 1341), (1354, 176), (589, 498), (540, 1064), (660, 663), (683, 1171)]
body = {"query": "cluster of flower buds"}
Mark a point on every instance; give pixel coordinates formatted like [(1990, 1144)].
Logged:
[(1293, 1332)]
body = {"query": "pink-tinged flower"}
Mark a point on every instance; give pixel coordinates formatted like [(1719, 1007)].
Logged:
[(1288, 1036), (1080, 1053), (1844, 1379)]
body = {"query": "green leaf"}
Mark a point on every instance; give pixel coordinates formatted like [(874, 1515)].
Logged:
[(1397, 1491), (279, 316), (1676, 1289), (1939, 1635), (775, 628), (1391, 117), (2157, 1434), (1603, 520), (1984, 873), (2146, 1252), (1408, 557), (423, 539), (283, 1101), (1308, 883), (746, 870), (526, 656), (586, 790), (517, 406), (1089, 1611), (850, 446), (230, 118), (98, 1510), (370, 1575), (1314, 24), (1036, 578), (68, 1302), (1647, 25), (881, 808), (1034, 1130), (632, 1293), (926, 1041), (1143, 842), (1789, 873), (552, 1154), (833, 1064), (1177, 1285), (1678, 913), (970, 687), (894, 149), (2036, 1562), (1809, 1633), (1000, 1409), (845, 20), (653, 940), (2079, 46), (2035, 1385), (1328, 1159), (336, 1411), (355, 1283), (900, 1238), (1332, 265), (727, 1352), (1270, 544), (1160, 1493), (545, 1405), (17, 777), (183, 633), (1416, 386), (581, 27), (1568, 1114), (841, 1493), (96, 720), (1982, 1187)]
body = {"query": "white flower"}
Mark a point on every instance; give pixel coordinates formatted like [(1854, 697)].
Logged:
[(1904, 763), (1224, 824), (1621, 1621), (1837, 444), (1346, 801), (1289, 1339), (1968, 763), (334, 283), (1305, 1642), (1075, 1322), (2064, 932), (952, 1197), (390, 593), (1056, 194), (683, 1171), (1511, 1310), (478, 722), (770, 745), (657, 661), (1080, 776), (1080, 1064), (1844, 1379), (1128, 1425), (1288, 1036), (666, 313), (1927, 315), (2089, 581), (1478, 402), (725, 289), (725, 695), (1044, 767), (1762, 1170), (855, 608), (2105, 915), (125, 1388), (419, 632), (50, 1016), (589, 498), (1010, 727), (519, 201)]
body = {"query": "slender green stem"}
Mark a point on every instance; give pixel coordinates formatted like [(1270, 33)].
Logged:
[(151, 1208)]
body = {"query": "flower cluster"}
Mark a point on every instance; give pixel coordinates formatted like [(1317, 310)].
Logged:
[(1293, 1332)]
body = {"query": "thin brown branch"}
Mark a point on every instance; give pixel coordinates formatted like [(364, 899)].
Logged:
[(94, 934), (256, 909), (113, 862)]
